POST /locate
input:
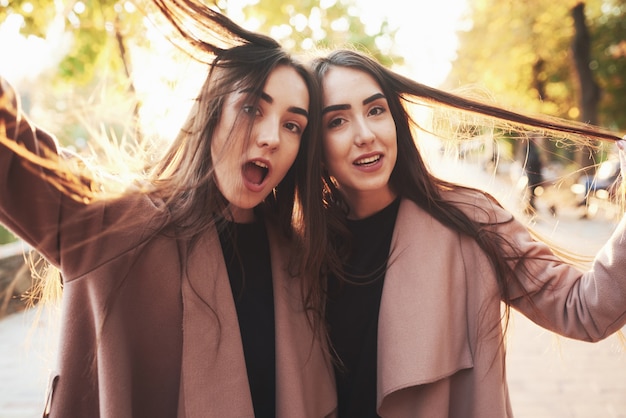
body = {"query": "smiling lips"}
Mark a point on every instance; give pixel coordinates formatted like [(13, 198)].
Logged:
[(368, 160)]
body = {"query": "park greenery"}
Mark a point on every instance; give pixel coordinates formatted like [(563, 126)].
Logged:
[(522, 53), (528, 54), (519, 51)]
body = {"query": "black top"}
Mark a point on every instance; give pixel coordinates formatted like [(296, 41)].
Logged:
[(352, 312), (247, 256)]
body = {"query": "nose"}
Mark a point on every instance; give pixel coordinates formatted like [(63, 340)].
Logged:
[(267, 134), (363, 134)]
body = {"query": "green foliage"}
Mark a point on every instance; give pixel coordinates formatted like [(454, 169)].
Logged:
[(518, 50), (307, 24), (37, 14), (101, 28), (609, 52), (91, 23), (6, 236), (105, 33)]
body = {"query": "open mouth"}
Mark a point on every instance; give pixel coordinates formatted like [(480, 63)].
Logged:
[(255, 172), (368, 160)]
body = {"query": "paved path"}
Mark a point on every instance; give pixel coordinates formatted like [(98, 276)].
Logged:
[(554, 377), (549, 376), (27, 353)]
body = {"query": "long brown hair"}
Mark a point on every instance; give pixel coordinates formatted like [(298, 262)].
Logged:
[(295, 203)]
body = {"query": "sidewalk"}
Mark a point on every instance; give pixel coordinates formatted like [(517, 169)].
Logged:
[(554, 377), (27, 354)]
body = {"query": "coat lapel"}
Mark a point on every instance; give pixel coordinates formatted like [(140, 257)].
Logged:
[(305, 385), (214, 381), (422, 331)]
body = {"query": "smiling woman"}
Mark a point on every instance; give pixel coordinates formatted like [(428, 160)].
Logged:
[(420, 268), (355, 116)]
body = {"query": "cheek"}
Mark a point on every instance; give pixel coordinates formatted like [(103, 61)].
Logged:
[(221, 163), (288, 156), (333, 162), (392, 138), (217, 143), (332, 148), (224, 160), (327, 158), (293, 153)]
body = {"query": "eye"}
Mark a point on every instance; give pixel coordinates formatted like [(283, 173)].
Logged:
[(251, 110), (293, 127), (376, 110), (336, 122)]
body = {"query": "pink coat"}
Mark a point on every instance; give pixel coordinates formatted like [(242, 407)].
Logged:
[(440, 347), (146, 330)]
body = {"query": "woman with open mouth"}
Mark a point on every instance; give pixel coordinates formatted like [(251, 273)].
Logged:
[(183, 294), (421, 267)]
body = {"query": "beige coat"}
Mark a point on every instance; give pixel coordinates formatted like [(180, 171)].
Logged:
[(440, 349), (146, 330)]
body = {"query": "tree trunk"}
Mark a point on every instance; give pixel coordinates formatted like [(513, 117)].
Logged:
[(538, 83), (589, 90)]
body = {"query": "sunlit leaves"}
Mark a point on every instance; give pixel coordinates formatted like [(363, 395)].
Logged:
[(309, 24), (94, 25), (521, 51)]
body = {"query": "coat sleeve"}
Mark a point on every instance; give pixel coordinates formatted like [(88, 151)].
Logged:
[(584, 305), (72, 234), (29, 206)]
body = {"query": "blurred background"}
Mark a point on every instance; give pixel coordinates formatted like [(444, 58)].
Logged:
[(100, 68), (86, 68), (85, 65)]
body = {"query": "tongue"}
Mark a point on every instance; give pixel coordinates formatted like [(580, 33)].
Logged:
[(253, 173)]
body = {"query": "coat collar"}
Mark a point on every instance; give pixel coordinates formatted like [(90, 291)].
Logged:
[(305, 382), (422, 330), (214, 380)]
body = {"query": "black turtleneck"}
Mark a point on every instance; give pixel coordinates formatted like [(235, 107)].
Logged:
[(247, 257), (352, 312)]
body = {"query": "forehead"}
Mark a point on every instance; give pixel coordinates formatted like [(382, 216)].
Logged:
[(342, 85), (287, 87)]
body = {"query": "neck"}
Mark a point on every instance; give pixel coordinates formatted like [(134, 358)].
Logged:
[(366, 203), (240, 216)]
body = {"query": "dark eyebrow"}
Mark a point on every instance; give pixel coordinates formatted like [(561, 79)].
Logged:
[(373, 97), (262, 94), (335, 107), (269, 99), (370, 99), (299, 111)]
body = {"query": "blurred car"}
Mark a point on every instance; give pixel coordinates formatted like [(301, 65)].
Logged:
[(602, 185)]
